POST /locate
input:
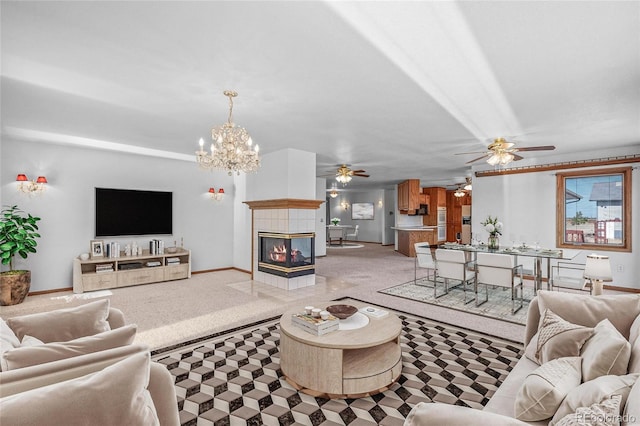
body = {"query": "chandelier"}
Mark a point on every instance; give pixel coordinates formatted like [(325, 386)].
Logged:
[(468, 186), (231, 149), (459, 193), (343, 178)]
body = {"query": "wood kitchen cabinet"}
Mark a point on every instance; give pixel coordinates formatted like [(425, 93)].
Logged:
[(409, 196), (454, 213), (437, 198)]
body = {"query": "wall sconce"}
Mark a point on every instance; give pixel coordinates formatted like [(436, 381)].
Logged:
[(345, 205), (217, 196), (31, 187)]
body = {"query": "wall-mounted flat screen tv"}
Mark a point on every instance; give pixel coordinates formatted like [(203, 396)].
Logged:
[(133, 212)]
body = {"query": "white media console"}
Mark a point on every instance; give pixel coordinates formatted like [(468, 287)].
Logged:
[(104, 272)]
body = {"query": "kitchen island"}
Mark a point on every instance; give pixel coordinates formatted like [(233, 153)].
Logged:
[(408, 236)]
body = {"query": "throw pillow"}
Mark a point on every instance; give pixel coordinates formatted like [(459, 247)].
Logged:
[(634, 358), (30, 341), (594, 392), (8, 339), (64, 324), (607, 352), (634, 331), (631, 414), (556, 338), (585, 310), (49, 352), (606, 413), (114, 396), (544, 389)]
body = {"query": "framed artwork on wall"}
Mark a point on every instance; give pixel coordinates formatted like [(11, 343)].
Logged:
[(362, 211), (97, 248)]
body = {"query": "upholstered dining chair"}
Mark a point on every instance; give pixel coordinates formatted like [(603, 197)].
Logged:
[(336, 234), (452, 265), (424, 259), (498, 270), (354, 234)]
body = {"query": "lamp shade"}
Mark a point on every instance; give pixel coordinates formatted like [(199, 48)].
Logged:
[(41, 179), (212, 191), (598, 268), (21, 178)]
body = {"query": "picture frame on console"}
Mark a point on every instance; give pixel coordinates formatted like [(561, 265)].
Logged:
[(97, 248)]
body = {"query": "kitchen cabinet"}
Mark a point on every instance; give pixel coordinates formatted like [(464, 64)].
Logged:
[(454, 214), (408, 237), (409, 196), (437, 198)]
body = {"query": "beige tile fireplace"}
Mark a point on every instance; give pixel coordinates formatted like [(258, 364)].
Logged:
[(284, 224)]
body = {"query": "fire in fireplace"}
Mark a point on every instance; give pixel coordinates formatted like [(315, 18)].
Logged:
[(286, 255)]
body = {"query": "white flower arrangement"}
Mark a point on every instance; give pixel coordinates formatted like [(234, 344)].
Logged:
[(335, 221), (492, 226)]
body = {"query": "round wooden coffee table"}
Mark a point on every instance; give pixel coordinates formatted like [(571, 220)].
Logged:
[(342, 363)]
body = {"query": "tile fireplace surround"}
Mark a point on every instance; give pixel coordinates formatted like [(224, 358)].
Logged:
[(284, 215)]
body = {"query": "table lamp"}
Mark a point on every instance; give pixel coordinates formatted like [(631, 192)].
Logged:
[(597, 270)]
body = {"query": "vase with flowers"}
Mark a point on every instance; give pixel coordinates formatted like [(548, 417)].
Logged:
[(494, 227), (335, 221)]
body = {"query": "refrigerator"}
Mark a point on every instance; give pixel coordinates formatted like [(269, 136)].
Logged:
[(442, 224), (466, 225)]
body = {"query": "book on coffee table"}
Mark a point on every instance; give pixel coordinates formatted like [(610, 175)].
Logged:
[(374, 312), (317, 326)]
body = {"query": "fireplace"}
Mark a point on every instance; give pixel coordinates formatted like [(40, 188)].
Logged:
[(286, 255)]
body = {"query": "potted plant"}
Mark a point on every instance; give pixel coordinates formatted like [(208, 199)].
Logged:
[(17, 236)]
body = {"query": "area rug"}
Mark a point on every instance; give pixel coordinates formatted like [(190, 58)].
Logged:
[(498, 306), (235, 377)]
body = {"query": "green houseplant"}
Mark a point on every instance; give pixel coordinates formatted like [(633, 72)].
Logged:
[(18, 233)]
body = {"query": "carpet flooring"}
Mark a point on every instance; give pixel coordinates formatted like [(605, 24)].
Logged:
[(235, 377), (498, 306)]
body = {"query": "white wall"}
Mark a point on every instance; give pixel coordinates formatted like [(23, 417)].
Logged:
[(321, 213), (67, 207), (526, 205)]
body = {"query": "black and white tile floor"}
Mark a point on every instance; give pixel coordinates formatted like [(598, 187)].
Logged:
[(235, 378)]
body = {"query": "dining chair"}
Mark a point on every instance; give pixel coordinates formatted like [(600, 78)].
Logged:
[(336, 234), (568, 275), (354, 234), (424, 259), (452, 265), (499, 270)]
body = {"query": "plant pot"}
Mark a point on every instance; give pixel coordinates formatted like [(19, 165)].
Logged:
[(14, 287)]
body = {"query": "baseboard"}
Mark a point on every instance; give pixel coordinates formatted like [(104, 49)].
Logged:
[(204, 271), (55, 290)]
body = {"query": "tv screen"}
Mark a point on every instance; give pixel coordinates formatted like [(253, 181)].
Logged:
[(133, 212)]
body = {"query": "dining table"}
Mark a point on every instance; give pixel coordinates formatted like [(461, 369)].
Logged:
[(539, 255)]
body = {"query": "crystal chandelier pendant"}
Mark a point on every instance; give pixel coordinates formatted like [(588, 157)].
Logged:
[(232, 148)]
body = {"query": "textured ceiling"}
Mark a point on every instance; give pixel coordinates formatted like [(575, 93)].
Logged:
[(395, 88)]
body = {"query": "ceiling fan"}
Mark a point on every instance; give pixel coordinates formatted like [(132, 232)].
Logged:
[(344, 174), (502, 152)]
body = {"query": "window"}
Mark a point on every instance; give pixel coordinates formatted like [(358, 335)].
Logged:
[(593, 209)]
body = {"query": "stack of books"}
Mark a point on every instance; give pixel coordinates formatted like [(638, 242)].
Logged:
[(153, 263), (374, 312), (316, 326), (173, 260), (156, 247), (104, 267)]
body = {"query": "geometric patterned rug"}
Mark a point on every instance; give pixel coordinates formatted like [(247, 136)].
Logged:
[(498, 306), (235, 378)]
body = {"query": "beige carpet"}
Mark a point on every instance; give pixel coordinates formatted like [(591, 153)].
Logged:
[(171, 312)]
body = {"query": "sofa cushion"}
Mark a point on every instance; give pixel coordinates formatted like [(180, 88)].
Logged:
[(116, 395), (607, 352), (64, 324), (634, 331), (585, 310), (634, 358), (594, 392), (631, 413), (544, 389), (40, 354), (434, 413), (607, 412), (556, 338)]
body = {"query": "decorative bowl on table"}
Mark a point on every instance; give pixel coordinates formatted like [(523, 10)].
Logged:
[(342, 311), (171, 249)]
